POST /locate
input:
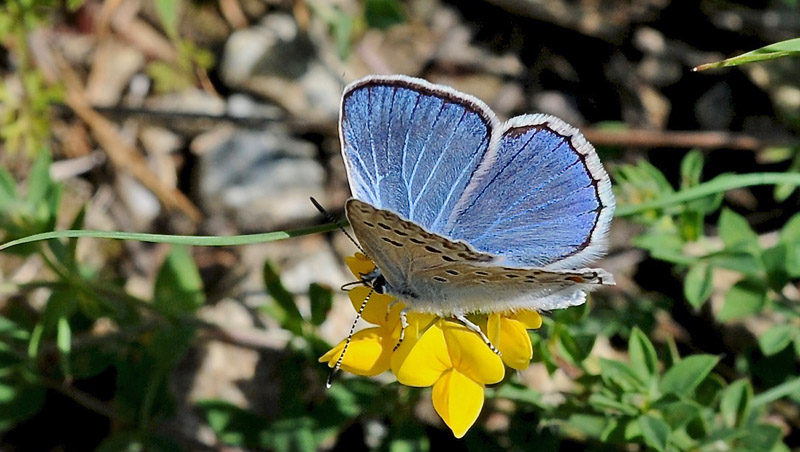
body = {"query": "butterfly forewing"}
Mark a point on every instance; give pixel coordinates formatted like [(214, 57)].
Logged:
[(412, 146), (431, 273)]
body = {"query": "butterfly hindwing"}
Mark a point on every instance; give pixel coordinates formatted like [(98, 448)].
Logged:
[(434, 274), (542, 199)]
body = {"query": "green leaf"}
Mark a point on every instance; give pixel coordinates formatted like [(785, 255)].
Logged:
[(321, 299), (590, 425), (64, 344), (291, 319), (655, 432), (761, 437), (691, 168), (746, 297), (178, 287), (604, 403), (783, 191), (666, 246), (383, 14), (790, 237), (39, 181), (575, 348), (233, 425), (790, 47), (19, 400), (735, 232), (168, 11), (775, 259), (740, 261), (678, 413), (735, 404), (519, 393), (616, 373), (682, 378), (775, 339), (697, 287), (8, 190), (644, 361)]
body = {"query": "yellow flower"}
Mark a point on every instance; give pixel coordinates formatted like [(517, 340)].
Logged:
[(457, 362), (435, 352), (509, 333), (370, 349)]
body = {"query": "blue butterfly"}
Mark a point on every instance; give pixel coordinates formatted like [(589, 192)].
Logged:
[(464, 214)]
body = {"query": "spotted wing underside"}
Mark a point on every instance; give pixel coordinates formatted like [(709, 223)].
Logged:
[(432, 273)]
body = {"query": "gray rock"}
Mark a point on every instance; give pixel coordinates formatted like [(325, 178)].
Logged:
[(258, 179), (278, 61)]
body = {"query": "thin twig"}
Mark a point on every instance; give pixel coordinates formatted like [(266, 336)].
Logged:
[(123, 156)]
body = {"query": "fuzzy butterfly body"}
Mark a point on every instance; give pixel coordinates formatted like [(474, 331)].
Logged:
[(461, 213)]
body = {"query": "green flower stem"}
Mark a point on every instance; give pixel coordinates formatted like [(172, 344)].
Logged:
[(782, 390), (717, 185), (234, 240)]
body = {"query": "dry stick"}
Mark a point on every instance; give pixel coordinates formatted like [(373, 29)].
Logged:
[(123, 156), (677, 139)]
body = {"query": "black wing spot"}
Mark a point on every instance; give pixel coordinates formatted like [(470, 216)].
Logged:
[(388, 240), (367, 223), (447, 258), (417, 241), (452, 272), (481, 273), (511, 275), (385, 226), (432, 249), (439, 278), (400, 233)]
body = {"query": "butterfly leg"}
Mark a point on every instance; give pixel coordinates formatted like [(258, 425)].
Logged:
[(403, 326), (389, 308), (465, 321)]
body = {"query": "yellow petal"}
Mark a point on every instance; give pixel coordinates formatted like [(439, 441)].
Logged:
[(368, 354), (458, 400), (359, 265), (514, 344), (420, 362), (531, 319), (377, 307), (470, 354)]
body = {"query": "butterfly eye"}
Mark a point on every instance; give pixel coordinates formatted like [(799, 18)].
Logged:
[(379, 284)]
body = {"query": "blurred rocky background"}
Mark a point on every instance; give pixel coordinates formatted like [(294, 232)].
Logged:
[(219, 117)]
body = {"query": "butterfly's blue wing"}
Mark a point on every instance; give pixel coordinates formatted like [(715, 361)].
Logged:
[(541, 198), (412, 147)]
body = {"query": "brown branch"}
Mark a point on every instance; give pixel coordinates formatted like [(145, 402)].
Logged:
[(122, 155), (678, 139)]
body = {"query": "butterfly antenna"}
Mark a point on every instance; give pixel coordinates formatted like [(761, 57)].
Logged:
[(338, 223), (348, 340)]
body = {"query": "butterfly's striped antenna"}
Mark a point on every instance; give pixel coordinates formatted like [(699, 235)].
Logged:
[(338, 223), (348, 340)]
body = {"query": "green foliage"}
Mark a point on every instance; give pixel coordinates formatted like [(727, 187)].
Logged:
[(25, 100), (345, 26), (33, 212), (790, 47)]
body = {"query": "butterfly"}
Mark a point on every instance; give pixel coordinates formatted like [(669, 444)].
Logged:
[(464, 214)]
